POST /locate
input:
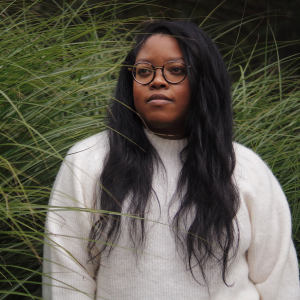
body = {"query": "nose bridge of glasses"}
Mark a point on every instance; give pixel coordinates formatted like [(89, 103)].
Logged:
[(162, 71)]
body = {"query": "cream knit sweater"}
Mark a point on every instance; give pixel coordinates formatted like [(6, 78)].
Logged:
[(265, 267)]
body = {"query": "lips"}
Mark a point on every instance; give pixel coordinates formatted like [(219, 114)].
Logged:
[(158, 97)]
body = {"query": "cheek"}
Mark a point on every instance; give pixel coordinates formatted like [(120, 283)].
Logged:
[(137, 94), (187, 88), (184, 93)]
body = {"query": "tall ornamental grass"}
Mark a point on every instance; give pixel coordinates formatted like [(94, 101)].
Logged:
[(57, 75)]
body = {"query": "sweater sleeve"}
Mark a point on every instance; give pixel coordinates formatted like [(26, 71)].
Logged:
[(272, 259), (67, 272)]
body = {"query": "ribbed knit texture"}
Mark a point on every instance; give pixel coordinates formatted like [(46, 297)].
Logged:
[(265, 267)]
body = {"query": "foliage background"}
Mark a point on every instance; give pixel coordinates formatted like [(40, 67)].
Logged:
[(58, 67)]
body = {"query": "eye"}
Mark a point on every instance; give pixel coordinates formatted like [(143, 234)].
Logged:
[(176, 70), (143, 71)]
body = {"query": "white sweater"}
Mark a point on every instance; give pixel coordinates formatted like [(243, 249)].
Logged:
[(265, 267)]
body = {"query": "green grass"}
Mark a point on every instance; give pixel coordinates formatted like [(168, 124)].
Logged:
[(57, 74)]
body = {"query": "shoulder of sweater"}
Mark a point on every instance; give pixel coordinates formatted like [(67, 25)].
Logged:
[(249, 160), (81, 168), (254, 177), (91, 148), (252, 171), (84, 161)]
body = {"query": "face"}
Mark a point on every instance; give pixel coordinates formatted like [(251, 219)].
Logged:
[(163, 106)]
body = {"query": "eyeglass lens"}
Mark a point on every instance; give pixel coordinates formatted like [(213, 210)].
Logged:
[(174, 72)]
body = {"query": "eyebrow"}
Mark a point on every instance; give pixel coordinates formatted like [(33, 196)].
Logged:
[(150, 60)]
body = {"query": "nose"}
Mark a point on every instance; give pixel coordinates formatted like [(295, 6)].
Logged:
[(159, 81)]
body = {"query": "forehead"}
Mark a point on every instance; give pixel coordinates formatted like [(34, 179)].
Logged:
[(159, 49)]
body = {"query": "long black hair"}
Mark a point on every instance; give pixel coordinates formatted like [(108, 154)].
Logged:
[(206, 185)]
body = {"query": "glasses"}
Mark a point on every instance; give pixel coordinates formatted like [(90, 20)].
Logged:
[(173, 72)]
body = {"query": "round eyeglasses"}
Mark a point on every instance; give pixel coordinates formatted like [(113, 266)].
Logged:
[(173, 72)]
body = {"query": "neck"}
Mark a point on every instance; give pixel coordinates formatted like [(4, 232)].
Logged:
[(166, 134)]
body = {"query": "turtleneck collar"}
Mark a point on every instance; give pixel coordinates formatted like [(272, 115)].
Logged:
[(165, 147)]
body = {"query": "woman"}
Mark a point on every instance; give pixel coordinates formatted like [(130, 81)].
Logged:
[(185, 212)]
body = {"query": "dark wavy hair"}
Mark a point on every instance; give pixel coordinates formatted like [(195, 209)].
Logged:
[(206, 185)]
